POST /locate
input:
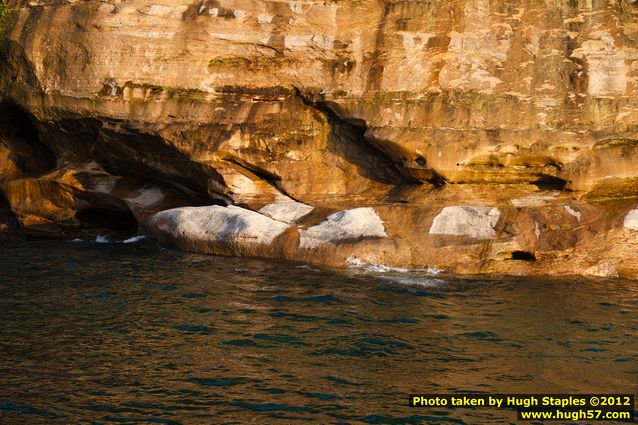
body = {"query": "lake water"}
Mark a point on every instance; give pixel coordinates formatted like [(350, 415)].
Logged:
[(132, 333)]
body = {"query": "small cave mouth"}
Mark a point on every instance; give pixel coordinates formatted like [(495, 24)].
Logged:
[(116, 223), (20, 134), (522, 256), (550, 183)]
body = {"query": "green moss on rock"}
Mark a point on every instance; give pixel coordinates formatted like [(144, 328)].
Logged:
[(616, 143), (613, 188), (7, 16), (254, 63)]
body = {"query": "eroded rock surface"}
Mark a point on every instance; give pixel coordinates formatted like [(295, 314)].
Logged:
[(289, 212), (343, 226), (472, 222), (476, 136)]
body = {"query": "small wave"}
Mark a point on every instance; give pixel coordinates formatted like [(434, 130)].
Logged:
[(135, 239), (374, 268), (433, 271), (355, 262), (382, 268), (424, 282), (105, 239), (304, 267)]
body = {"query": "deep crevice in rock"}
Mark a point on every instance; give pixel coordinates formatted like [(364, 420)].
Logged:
[(348, 140), (269, 178), (125, 151), (259, 172)]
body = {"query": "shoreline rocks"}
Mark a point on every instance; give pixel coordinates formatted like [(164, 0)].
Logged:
[(459, 239), (216, 229)]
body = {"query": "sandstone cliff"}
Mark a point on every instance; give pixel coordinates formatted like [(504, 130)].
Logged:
[(476, 136)]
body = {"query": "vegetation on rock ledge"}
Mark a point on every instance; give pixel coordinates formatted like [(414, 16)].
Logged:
[(6, 20)]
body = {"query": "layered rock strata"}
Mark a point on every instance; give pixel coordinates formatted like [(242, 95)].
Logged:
[(477, 136)]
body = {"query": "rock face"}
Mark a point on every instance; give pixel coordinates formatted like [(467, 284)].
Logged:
[(112, 111), (472, 222)]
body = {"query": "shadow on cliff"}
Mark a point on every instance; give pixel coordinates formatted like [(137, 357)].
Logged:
[(347, 139), (126, 151), (23, 154)]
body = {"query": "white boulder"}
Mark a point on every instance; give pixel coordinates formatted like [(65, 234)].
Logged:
[(290, 212), (603, 269), (631, 220), (472, 222), (217, 224), (343, 226)]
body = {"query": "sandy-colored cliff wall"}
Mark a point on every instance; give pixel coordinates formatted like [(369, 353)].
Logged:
[(127, 108)]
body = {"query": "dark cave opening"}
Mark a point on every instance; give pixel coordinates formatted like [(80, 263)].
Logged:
[(117, 221), (550, 183), (20, 135), (15, 122), (523, 256)]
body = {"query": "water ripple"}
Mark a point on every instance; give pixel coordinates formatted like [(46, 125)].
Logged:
[(130, 333)]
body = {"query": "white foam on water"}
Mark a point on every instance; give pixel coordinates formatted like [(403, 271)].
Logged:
[(77, 240), (433, 271), (382, 268), (424, 282), (400, 275), (308, 268), (135, 239), (102, 239), (355, 262)]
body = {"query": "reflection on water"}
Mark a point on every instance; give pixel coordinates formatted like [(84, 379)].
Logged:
[(130, 333)]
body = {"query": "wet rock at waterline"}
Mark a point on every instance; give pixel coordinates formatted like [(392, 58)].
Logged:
[(239, 231), (218, 229)]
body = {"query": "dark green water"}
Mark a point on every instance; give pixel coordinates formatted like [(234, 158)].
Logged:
[(113, 333)]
